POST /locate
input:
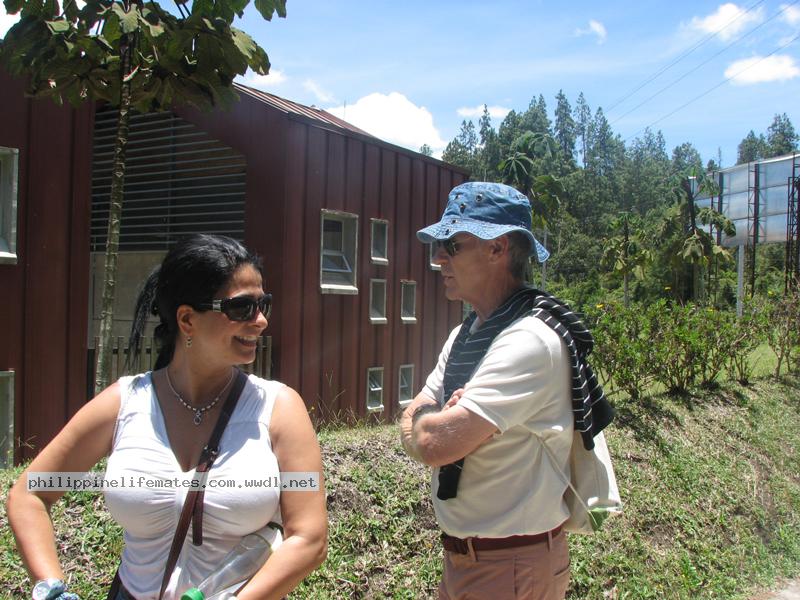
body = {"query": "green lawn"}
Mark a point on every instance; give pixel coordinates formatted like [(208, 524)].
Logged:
[(710, 481)]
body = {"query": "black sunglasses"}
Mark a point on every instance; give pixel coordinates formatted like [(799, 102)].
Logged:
[(240, 308), (450, 246)]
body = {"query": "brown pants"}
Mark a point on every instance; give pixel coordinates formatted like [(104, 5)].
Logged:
[(536, 572)]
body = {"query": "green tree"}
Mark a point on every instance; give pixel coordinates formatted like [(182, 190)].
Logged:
[(131, 54), (462, 151), (751, 148), (781, 137), (691, 247), (565, 128), (582, 117), (626, 253), (685, 158), (489, 153), (519, 170), (426, 150)]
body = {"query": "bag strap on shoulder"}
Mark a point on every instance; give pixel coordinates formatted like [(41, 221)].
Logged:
[(193, 505)]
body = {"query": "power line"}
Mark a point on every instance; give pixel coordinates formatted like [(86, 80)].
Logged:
[(685, 75), (711, 89), (681, 57)]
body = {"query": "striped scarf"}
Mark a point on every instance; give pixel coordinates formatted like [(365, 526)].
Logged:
[(590, 408)]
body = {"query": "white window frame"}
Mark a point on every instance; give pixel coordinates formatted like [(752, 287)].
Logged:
[(381, 257), (405, 401), (404, 317), (6, 419), (378, 390), (380, 317), (9, 186), (431, 254), (331, 282)]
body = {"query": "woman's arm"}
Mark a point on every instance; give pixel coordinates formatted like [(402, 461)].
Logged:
[(83, 441), (305, 517)]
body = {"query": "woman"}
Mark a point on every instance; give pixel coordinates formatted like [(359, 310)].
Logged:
[(154, 426)]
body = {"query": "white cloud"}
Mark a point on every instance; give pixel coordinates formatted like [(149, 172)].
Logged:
[(321, 95), (394, 118), (496, 112), (757, 69), (791, 14), (6, 21), (727, 22), (263, 82), (594, 28)]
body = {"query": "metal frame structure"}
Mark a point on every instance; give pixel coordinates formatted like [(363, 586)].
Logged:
[(792, 270), (753, 204)]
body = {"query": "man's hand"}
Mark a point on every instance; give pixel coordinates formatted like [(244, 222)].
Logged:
[(438, 438), (407, 421), (454, 399)]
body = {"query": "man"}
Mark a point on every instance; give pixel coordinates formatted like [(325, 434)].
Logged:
[(502, 387)]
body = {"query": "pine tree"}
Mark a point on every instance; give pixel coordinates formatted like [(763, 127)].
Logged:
[(565, 127), (751, 148), (781, 137), (582, 117)]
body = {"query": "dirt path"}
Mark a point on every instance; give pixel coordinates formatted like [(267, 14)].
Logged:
[(790, 591)]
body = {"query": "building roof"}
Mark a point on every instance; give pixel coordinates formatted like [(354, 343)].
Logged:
[(295, 108)]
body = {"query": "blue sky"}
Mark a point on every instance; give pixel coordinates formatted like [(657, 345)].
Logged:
[(410, 72)]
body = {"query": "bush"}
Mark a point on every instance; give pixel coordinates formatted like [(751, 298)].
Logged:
[(623, 349)]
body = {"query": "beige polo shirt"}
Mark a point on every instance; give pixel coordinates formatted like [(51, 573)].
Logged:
[(509, 486)]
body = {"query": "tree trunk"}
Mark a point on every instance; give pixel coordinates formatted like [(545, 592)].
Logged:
[(104, 350)]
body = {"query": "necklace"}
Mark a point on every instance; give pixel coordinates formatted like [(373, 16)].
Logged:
[(198, 411)]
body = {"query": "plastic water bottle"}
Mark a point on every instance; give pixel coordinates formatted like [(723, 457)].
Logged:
[(238, 566)]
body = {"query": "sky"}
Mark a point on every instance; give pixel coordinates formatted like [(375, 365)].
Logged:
[(410, 72)]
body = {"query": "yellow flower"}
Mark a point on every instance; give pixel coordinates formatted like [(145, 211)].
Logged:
[(667, 288), (770, 293), (599, 305)]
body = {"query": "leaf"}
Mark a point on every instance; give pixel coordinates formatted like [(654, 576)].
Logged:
[(59, 26), (243, 42), (128, 21), (269, 7), (13, 6)]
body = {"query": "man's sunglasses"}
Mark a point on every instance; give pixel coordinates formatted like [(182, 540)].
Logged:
[(450, 246), (240, 308)]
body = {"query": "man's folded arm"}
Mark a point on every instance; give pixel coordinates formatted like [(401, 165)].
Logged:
[(439, 438)]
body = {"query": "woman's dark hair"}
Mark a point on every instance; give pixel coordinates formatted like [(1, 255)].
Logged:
[(191, 273)]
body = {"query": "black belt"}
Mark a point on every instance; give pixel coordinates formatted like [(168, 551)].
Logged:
[(461, 546)]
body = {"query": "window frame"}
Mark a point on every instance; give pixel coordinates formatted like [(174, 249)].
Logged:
[(369, 390), (377, 320), (377, 259), (7, 437), (405, 402), (9, 189), (404, 284), (431, 253), (348, 252)]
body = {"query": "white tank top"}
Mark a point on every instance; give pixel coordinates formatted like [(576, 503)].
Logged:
[(149, 513)]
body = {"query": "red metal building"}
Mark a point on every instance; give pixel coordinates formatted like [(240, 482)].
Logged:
[(359, 313)]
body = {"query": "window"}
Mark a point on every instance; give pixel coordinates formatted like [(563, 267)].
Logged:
[(6, 419), (408, 301), (9, 165), (338, 253), (431, 254), (405, 392), (375, 389), (380, 242), (377, 301)]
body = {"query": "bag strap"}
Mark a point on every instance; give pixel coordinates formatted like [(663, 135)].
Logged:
[(193, 505), (564, 478)]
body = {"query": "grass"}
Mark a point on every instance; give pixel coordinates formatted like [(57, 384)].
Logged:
[(711, 485)]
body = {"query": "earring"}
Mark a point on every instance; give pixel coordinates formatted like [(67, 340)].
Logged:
[(189, 342)]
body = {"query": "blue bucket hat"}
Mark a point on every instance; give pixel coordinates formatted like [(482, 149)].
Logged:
[(486, 210)]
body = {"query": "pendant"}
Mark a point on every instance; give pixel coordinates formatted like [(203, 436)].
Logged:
[(198, 417)]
